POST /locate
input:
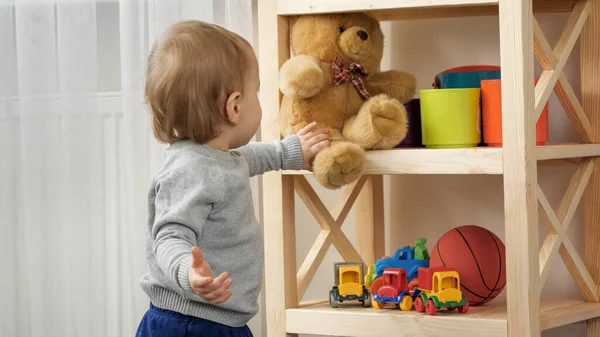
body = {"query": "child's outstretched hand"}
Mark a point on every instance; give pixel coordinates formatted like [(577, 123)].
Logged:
[(204, 283), (312, 142)]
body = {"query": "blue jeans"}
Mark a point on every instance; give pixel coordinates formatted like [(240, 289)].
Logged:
[(164, 323)]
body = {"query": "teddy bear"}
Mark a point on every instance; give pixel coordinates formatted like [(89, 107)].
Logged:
[(334, 79)]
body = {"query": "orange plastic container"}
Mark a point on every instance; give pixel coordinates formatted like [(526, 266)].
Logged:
[(491, 106)]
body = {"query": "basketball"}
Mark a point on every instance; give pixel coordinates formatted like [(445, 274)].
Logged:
[(478, 256)]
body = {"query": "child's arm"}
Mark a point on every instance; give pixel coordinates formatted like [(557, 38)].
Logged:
[(278, 155), (182, 203), (292, 153)]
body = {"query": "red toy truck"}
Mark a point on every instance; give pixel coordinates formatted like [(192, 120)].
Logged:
[(394, 290)]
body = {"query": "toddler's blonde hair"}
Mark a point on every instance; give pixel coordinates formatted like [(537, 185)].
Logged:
[(191, 70)]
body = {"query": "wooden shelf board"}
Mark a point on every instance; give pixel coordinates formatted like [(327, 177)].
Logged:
[(391, 10), (472, 160), (485, 321), (564, 151)]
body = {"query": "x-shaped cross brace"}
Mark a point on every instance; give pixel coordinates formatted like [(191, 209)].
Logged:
[(553, 62), (557, 226), (330, 229)]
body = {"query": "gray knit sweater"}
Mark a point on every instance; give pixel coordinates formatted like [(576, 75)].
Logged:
[(202, 197)]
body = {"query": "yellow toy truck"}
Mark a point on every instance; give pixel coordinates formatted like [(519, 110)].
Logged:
[(349, 285), (440, 288)]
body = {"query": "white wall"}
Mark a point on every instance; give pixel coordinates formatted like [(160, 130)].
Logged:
[(429, 205)]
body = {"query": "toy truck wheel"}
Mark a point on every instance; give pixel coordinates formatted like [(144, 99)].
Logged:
[(333, 301), (463, 308), (378, 305), (419, 305), (367, 301), (430, 308), (407, 303)]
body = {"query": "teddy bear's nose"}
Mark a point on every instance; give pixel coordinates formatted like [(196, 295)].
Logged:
[(362, 34)]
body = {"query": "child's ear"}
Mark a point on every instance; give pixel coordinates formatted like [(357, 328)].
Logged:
[(232, 107)]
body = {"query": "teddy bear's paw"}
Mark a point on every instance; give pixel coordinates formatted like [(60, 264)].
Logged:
[(301, 77), (389, 119), (405, 86), (397, 84), (338, 165)]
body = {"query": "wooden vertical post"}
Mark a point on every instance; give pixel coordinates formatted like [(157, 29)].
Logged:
[(369, 220), (279, 213), (590, 99), (520, 173)]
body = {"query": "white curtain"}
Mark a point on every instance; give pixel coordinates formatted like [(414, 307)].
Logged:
[(76, 157)]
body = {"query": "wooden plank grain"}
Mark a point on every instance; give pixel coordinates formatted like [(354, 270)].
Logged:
[(369, 222), (590, 101), (278, 190), (294, 7), (520, 171), (392, 10), (490, 320)]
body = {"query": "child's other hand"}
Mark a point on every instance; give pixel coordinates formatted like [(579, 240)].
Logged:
[(312, 142), (204, 283)]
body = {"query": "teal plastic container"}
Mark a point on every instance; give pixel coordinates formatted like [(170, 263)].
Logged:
[(467, 79)]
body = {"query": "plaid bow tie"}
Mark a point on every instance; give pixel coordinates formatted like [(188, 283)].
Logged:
[(355, 73)]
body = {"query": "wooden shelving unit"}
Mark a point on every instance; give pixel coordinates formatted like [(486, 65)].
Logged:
[(524, 313)]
